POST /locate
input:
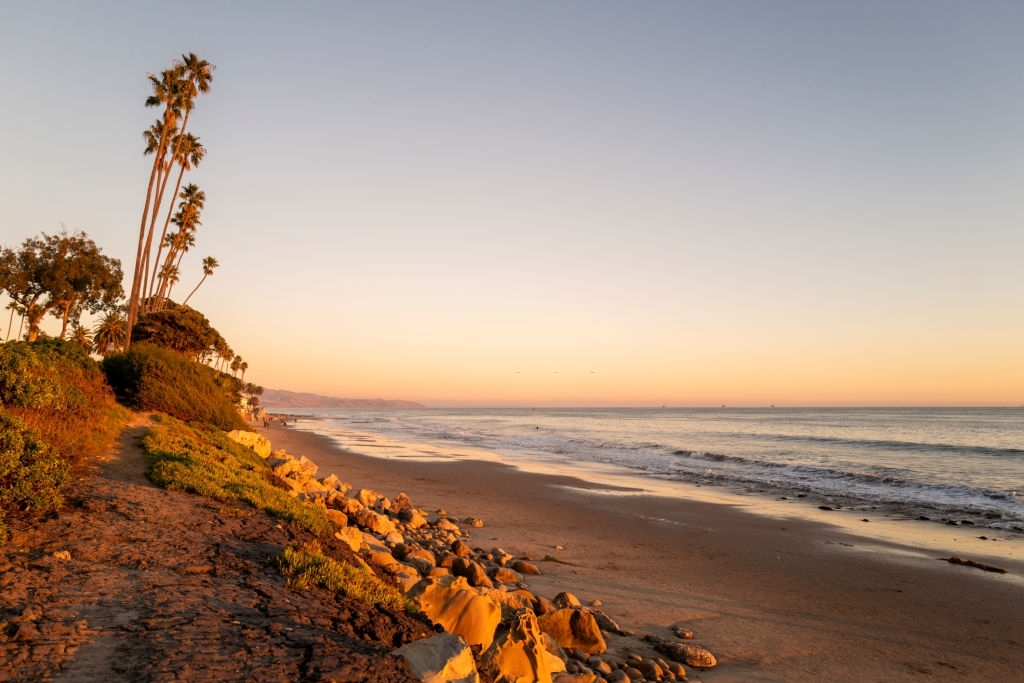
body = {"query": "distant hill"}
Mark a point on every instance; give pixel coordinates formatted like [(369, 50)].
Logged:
[(278, 398)]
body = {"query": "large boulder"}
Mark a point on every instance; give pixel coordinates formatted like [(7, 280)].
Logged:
[(256, 442), (444, 658), (573, 629), (374, 522), (458, 608), (518, 655)]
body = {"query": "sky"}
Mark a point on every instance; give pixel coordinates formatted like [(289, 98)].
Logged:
[(560, 203)]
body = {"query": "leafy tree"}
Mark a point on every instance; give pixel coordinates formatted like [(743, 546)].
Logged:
[(175, 90), (179, 328), (64, 274)]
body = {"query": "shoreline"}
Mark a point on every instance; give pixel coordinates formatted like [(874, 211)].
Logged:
[(774, 598)]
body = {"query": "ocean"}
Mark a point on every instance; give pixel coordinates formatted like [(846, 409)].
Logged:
[(960, 466)]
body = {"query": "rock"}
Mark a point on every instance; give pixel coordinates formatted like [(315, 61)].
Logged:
[(332, 482), (461, 549), (524, 567), (581, 677), (606, 623), (444, 658), (474, 522), (458, 607), (367, 497), (566, 599), (444, 524), (543, 606), (505, 575), (573, 628), (682, 633), (352, 537), (650, 669), (374, 522), (338, 518), (511, 602), (405, 575), (401, 502), (691, 655), (517, 654), (472, 571), (350, 506), (412, 518), (499, 556), (62, 555), (257, 442)]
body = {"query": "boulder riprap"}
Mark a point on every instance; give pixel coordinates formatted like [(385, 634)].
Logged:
[(478, 596)]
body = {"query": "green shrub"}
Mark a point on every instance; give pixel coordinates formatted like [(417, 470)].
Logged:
[(61, 395), (153, 378), (306, 566), (206, 462), (56, 412), (31, 474)]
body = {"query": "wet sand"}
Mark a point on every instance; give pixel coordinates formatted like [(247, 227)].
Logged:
[(775, 599)]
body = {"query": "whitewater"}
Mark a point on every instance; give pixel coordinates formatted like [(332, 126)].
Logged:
[(962, 466)]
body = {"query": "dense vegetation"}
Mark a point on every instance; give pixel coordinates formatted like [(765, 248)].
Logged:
[(56, 413), (150, 377)]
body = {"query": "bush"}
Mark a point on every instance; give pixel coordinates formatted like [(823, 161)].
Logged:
[(149, 377), (61, 395), (56, 411)]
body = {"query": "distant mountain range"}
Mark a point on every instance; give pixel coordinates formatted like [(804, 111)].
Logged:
[(279, 398)]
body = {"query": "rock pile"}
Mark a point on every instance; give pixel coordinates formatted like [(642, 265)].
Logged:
[(478, 596)]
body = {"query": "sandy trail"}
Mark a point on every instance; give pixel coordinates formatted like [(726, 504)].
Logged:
[(168, 586)]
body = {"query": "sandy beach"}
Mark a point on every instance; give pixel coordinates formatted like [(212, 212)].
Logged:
[(775, 599)]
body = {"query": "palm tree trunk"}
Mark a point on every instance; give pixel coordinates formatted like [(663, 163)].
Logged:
[(133, 300), (10, 323), (194, 290), (160, 195), (167, 222)]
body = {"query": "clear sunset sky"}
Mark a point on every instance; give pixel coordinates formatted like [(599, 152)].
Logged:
[(561, 203)]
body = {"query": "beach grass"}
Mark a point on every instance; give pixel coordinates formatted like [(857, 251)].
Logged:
[(306, 565), (204, 461)]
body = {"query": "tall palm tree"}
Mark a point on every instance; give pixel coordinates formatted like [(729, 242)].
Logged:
[(243, 366), (235, 364), (209, 263), (110, 335), (175, 89), (190, 153), (165, 93), (187, 220)]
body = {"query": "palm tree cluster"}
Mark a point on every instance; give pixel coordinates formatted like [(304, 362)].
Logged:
[(173, 149)]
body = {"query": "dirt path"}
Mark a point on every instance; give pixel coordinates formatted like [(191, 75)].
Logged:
[(166, 586)]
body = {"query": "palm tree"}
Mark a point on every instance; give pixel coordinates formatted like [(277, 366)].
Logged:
[(209, 263), (187, 219), (10, 323), (165, 92), (243, 366), (81, 335), (190, 154), (235, 364), (110, 334), (175, 89)]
